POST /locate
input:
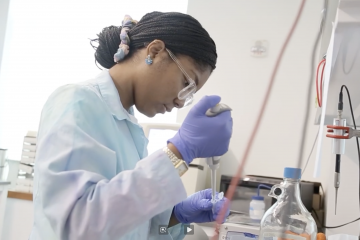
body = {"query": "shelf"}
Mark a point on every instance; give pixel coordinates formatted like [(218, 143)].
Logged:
[(20, 195)]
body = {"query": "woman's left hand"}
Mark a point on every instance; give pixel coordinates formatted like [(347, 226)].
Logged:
[(197, 208)]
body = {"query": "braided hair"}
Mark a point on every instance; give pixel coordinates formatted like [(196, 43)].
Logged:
[(181, 33)]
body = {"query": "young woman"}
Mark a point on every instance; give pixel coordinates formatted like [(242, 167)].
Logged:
[(93, 178)]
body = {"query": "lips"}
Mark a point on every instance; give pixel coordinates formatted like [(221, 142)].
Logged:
[(167, 108)]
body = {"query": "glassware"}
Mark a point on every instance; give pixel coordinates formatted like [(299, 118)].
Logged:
[(288, 218), (188, 92)]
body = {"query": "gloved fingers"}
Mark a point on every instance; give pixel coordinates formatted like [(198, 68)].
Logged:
[(218, 208), (207, 193), (206, 216), (204, 205), (231, 126), (220, 204), (207, 102), (215, 216), (224, 123), (225, 117)]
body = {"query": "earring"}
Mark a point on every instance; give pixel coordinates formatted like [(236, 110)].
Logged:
[(148, 60)]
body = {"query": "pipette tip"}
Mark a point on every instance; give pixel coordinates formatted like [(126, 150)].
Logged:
[(336, 195)]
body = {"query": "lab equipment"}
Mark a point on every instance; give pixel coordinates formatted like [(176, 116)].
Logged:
[(288, 216), (249, 184), (340, 133), (200, 136), (214, 162), (257, 208), (349, 130), (338, 148), (198, 208), (342, 67), (342, 237), (257, 204), (239, 226), (216, 198)]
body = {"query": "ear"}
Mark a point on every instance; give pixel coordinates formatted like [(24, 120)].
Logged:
[(155, 48)]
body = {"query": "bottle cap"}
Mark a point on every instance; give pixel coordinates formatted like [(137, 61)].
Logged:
[(294, 173), (259, 198)]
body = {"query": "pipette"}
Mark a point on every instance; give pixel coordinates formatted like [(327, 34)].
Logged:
[(340, 133), (338, 147), (214, 162)]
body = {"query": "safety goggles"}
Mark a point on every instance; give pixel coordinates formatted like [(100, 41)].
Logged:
[(187, 93)]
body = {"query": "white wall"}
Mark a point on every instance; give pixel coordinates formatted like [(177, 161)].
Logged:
[(46, 50), (241, 80), (4, 6)]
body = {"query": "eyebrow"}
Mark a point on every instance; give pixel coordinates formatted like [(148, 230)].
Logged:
[(196, 78)]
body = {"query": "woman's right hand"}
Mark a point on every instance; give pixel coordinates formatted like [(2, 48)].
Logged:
[(201, 136)]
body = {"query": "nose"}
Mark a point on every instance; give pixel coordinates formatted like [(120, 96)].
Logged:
[(179, 103)]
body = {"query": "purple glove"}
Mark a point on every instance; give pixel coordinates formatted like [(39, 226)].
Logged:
[(197, 208), (201, 136)]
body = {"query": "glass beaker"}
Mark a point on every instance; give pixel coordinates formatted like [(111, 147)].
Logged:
[(288, 218)]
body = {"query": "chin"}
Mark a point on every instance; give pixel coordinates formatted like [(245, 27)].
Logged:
[(149, 114)]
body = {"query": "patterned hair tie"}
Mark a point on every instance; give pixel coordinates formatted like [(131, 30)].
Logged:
[(123, 50)]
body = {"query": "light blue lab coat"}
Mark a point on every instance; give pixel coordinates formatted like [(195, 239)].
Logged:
[(93, 178)]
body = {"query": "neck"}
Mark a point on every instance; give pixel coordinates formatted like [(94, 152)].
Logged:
[(123, 76), (294, 187)]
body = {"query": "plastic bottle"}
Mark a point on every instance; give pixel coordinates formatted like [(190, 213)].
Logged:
[(288, 218), (257, 205), (257, 208)]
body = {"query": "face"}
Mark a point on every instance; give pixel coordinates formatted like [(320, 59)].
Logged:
[(158, 84)]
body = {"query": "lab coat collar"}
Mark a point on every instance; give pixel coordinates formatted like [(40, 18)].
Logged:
[(111, 96)]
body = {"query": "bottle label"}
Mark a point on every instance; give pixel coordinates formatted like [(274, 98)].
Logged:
[(281, 236)]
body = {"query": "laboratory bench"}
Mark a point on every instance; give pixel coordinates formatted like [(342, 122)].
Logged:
[(16, 208), (10, 173), (20, 195)]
